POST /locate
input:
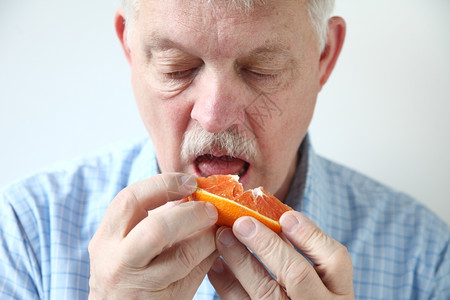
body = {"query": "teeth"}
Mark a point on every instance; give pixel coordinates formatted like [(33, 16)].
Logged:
[(241, 171)]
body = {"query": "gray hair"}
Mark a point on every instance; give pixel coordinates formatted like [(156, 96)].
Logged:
[(319, 12)]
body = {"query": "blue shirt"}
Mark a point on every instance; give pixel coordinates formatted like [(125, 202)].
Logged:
[(399, 249)]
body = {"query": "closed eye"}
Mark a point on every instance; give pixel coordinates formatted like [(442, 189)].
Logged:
[(179, 75), (259, 75)]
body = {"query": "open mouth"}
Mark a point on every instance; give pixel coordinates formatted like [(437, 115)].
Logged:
[(209, 164)]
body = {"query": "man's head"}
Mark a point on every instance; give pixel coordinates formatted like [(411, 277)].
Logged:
[(229, 86)]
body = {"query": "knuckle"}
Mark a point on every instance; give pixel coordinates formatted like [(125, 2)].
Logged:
[(126, 199), (160, 233), (240, 259), (204, 266), (97, 244), (341, 259), (187, 255), (268, 289), (339, 255), (313, 237), (229, 286), (342, 251), (297, 273), (269, 246)]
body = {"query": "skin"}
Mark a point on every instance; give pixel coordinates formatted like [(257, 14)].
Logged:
[(194, 64)]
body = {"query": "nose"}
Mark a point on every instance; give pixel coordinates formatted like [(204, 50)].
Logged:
[(219, 101)]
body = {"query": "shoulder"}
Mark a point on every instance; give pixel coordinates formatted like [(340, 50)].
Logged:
[(374, 199), (372, 202), (388, 233), (110, 163), (48, 219), (68, 187)]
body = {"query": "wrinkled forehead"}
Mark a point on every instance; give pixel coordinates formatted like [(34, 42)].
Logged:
[(219, 23), (202, 12), (198, 10), (219, 7)]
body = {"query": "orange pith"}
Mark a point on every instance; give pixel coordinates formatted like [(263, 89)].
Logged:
[(227, 194)]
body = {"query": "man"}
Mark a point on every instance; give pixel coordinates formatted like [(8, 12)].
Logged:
[(223, 87)]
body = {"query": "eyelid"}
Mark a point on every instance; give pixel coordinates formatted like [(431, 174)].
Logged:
[(180, 74), (178, 60), (179, 64), (263, 79), (263, 72)]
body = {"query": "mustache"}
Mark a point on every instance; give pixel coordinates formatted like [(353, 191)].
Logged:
[(233, 142)]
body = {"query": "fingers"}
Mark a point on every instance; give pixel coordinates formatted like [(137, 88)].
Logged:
[(188, 286), (225, 283), (253, 277), (130, 206), (292, 270), (333, 273), (188, 253), (151, 253), (160, 231), (331, 259)]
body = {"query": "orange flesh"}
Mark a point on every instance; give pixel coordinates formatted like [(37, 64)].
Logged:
[(227, 194)]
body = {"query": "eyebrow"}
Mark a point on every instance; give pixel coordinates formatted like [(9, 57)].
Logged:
[(271, 47), (161, 43), (261, 53), (270, 53)]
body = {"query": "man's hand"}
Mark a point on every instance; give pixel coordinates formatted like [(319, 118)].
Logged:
[(244, 277), (147, 247)]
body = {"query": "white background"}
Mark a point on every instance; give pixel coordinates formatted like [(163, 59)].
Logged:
[(65, 91)]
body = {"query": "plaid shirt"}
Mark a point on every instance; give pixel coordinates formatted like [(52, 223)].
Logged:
[(399, 249)]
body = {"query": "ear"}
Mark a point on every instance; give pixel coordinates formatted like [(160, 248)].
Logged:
[(121, 31), (333, 47)]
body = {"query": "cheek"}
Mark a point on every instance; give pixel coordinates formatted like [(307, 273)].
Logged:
[(165, 121), (280, 138), (158, 113)]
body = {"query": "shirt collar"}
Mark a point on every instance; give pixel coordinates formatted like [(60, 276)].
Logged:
[(145, 164), (309, 190)]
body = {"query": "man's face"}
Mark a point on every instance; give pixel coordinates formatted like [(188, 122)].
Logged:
[(213, 67)]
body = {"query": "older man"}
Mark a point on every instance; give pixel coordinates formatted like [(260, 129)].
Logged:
[(223, 87)]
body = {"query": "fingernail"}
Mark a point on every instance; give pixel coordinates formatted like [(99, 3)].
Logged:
[(189, 182), (226, 237), (217, 265), (289, 222), (245, 227), (211, 210)]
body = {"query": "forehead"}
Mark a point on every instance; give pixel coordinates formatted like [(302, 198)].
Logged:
[(219, 28)]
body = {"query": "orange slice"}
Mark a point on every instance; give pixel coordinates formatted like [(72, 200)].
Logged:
[(227, 194)]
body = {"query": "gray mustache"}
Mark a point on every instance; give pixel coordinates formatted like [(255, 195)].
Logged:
[(233, 142)]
